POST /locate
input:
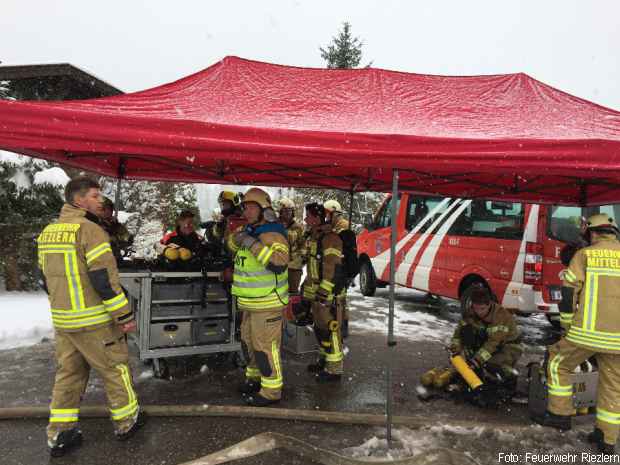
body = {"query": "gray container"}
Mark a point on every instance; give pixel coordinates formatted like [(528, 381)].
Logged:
[(298, 339), (170, 334), (211, 331)]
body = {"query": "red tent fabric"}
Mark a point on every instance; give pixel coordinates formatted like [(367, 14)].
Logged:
[(246, 122)]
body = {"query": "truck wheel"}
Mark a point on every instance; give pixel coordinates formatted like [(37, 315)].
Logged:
[(368, 280), (554, 320)]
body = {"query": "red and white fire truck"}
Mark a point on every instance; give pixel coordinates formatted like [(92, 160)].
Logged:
[(446, 246)]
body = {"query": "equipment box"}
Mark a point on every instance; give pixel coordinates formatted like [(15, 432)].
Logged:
[(211, 331), (214, 290), (298, 339), (175, 291), (170, 334)]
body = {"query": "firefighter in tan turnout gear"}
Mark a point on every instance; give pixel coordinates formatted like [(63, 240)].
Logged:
[(335, 217), (296, 240), (319, 292), (90, 314), (591, 293), (260, 287)]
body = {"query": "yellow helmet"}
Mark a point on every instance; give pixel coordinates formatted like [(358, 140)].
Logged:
[(171, 253), (285, 202), (229, 195), (600, 221), (185, 254), (332, 206), (259, 196)]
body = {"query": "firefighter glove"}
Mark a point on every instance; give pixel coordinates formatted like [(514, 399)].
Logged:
[(475, 364), (244, 240), (323, 296)]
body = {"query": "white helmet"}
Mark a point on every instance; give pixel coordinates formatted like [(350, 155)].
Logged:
[(285, 202), (332, 206)]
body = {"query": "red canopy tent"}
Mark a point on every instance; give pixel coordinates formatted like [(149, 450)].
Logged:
[(246, 122)]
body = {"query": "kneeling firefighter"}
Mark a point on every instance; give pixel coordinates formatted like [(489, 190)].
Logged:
[(260, 286), (488, 340), (324, 283)]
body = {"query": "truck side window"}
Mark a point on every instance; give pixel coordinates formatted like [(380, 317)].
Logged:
[(486, 218), (384, 219), (418, 210)]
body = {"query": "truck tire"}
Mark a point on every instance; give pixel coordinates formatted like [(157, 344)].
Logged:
[(555, 322), (368, 280)]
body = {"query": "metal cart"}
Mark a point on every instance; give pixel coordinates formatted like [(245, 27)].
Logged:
[(180, 315)]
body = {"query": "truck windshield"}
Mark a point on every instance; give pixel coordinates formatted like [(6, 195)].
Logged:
[(565, 223)]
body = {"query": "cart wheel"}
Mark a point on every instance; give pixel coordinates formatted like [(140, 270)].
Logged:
[(239, 360), (160, 368), (218, 360)]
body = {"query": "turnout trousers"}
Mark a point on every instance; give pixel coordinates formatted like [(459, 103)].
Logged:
[(105, 350), (261, 337), (564, 357)]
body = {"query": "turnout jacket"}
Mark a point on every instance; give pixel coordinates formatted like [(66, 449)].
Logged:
[(296, 243), (80, 273), (594, 276), (260, 275), (324, 258), (501, 330)]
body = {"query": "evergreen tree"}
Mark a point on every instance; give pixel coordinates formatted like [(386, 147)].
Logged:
[(26, 207), (345, 51)]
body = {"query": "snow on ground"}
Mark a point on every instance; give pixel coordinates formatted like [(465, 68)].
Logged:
[(410, 321), (27, 319)]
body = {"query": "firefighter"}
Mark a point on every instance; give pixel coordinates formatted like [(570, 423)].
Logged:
[(320, 290), (91, 317), (184, 242), (260, 286), (488, 338), (296, 240), (120, 238), (590, 297), (339, 223), (230, 218)]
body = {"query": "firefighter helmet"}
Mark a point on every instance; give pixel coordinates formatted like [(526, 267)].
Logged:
[(316, 209), (285, 203), (231, 196), (258, 196), (601, 221), (332, 206)]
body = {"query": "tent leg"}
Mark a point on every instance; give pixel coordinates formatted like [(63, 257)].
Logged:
[(117, 194), (351, 194), (391, 342)]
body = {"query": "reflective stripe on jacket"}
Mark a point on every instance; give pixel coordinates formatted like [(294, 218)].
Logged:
[(68, 251), (594, 273)]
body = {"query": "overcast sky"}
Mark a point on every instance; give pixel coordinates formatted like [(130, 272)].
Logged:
[(570, 44)]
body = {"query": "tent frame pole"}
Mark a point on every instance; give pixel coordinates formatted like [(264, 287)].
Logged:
[(391, 341), (351, 194), (117, 194)]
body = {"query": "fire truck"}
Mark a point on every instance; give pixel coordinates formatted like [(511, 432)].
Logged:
[(447, 246)]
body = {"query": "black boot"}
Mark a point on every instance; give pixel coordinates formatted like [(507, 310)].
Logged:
[(561, 422), (327, 377), (249, 387), (260, 401), (139, 423), (66, 440), (597, 438), (317, 366)]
